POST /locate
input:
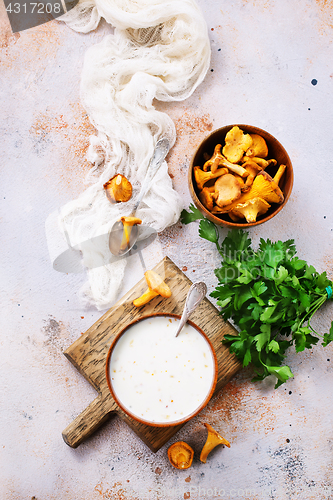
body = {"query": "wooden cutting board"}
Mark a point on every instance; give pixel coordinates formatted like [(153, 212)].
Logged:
[(88, 354)]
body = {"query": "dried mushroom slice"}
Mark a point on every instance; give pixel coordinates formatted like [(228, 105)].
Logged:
[(181, 455), (236, 143), (118, 189)]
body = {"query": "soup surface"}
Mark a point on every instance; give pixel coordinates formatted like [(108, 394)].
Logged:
[(159, 377)]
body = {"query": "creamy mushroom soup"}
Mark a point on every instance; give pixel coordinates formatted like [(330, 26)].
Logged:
[(158, 377)]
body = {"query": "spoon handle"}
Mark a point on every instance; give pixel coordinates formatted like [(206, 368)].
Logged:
[(195, 295), (161, 150)]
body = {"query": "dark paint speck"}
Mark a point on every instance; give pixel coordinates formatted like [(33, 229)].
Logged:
[(314, 81)]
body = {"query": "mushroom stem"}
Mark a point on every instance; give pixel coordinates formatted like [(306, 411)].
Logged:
[(156, 286), (213, 440), (128, 223), (145, 298), (279, 173)]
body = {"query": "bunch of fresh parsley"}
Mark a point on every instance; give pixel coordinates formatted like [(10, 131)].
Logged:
[(270, 294)]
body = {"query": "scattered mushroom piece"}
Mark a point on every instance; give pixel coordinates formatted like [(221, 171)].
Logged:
[(253, 169), (251, 209), (258, 148), (128, 223), (156, 286), (181, 455), (206, 197), (118, 189), (236, 143), (202, 177), (227, 190), (213, 440)]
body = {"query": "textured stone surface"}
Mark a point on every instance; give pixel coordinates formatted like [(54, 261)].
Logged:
[(271, 67)]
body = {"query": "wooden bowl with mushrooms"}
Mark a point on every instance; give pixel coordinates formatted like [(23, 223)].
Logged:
[(240, 176)]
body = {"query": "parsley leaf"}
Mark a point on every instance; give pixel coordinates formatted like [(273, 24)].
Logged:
[(191, 216), (270, 294), (208, 231)]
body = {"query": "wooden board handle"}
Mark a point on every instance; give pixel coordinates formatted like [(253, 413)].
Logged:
[(89, 420)]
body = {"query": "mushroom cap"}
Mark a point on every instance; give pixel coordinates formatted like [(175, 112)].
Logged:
[(202, 177), (251, 209), (156, 283), (258, 148), (130, 221), (263, 187), (213, 440), (267, 188), (118, 189), (236, 143), (180, 455), (206, 198), (227, 190)]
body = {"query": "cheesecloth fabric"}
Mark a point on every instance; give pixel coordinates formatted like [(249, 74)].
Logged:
[(159, 49)]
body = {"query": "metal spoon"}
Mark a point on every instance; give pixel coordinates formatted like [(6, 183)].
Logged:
[(161, 150), (195, 295)]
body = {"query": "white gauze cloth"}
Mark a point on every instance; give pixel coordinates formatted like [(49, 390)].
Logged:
[(158, 50)]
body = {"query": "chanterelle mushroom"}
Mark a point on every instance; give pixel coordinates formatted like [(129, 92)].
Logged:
[(250, 209), (258, 148), (156, 286), (206, 197), (128, 223), (214, 162), (201, 177), (180, 455), (263, 187), (213, 439), (118, 189), (236, 143), (227, 190), (261, 161), (253, 169)]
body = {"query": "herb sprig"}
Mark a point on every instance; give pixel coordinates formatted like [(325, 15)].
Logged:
[(270, 294)]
